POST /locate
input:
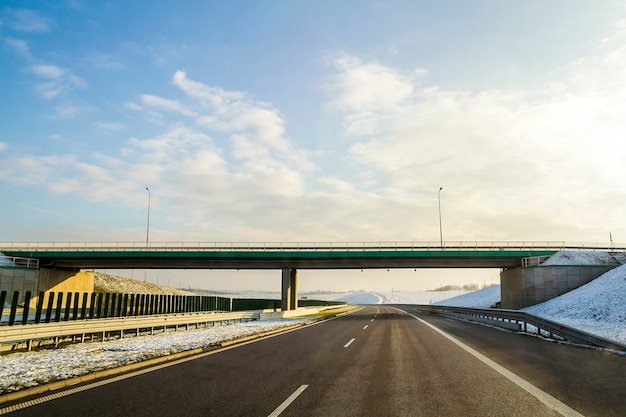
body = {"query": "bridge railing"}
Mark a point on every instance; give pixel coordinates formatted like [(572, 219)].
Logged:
[(306, 246), (18, 262)]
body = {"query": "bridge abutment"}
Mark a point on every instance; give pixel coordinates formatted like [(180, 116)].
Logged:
[(527, 286), (66, 281)]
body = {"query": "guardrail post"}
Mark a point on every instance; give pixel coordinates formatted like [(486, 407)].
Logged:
[(3, 297), (113, 305), (132, 305), (83, 307), (99, 302), (137, 304), (118, 309), (92, 305), (16, 295), (26, 308), (125, 308), (76, 304), (107, 300), (50, 305), (68, 306), (151, 305), (39, 307), (59, 309)]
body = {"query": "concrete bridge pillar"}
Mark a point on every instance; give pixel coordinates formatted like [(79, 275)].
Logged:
[(289, 299)]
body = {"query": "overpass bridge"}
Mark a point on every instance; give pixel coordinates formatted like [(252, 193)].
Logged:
[(289, 257), (278, 255)]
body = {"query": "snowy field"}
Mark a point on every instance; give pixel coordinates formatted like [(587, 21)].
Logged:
[(598, 307)]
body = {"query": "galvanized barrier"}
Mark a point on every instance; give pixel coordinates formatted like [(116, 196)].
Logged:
[(32, 335), (519, 321)]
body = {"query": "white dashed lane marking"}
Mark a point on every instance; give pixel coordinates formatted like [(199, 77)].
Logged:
[(288, 401)]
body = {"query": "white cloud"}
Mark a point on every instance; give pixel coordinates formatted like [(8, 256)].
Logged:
[(257, 128), (110, 126), (57, 80), (543, 151), (370, 92), (24, 20), (160, 103), (19, 45), (368, 86), (67, 111), (48, 71), (3, 146), (101, 61)]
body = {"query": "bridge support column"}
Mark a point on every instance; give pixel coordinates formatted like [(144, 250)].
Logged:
[(289, 299)]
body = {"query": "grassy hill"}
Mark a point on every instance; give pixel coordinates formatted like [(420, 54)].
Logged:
[(112, 283)]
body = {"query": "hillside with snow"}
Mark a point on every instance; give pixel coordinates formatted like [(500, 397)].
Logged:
[(114, 284), (598, 307), (485, 298)]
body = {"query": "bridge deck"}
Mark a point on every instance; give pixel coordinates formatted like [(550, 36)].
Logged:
[(342, 255)]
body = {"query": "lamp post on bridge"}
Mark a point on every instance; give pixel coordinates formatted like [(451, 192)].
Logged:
[(440, 229), (148, 226)]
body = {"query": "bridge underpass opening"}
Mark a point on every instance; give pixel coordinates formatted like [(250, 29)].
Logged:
[(269, 283)]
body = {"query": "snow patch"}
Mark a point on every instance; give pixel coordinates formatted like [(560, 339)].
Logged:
[(485, 298), (598, 307), (565, 257)]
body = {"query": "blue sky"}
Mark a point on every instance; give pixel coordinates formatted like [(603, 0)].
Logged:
[(255, 121)]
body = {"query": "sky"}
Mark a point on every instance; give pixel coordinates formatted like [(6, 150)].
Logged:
[(321, 121)]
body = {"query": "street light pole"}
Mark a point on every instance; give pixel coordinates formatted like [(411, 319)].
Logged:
[(440, 229), (148, 226)]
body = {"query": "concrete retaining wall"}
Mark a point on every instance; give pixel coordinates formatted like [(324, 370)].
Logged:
[(35, 280), (19, 279), (524, 287)]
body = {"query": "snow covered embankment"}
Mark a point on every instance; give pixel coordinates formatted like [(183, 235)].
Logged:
[(598, 307)]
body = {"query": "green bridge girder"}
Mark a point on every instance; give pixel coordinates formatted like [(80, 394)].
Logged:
[(297, 258)]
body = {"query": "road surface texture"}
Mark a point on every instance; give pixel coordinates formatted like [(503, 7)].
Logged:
[(379, 361)]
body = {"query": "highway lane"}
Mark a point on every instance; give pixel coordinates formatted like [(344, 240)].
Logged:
[(376, 362)]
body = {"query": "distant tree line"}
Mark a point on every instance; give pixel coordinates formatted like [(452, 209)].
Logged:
[(466, 287)]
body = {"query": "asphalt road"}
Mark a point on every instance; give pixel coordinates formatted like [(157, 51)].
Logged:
[(375, 362)]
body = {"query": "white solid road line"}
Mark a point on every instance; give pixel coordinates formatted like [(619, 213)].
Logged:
[(288, 401), (349, 343), (542, 396)]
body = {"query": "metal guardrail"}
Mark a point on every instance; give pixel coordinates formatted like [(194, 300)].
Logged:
[(18, 262), (305, 246), (538, 261), (519, 321), (16, 335)]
